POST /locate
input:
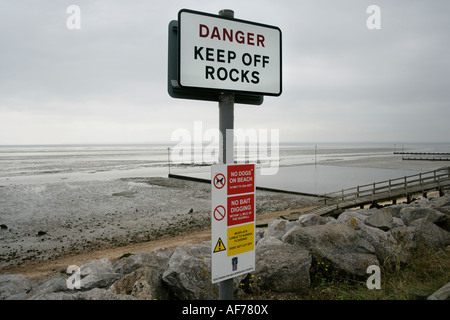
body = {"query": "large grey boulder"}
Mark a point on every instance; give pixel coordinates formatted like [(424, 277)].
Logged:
[(93, 294), (157, 260), (394, 210), (429, 234), (386, 246), (380, 219), (441, 202), (410, 214), (420, 233), (278, 228), (101, 294), (346, 216), (144, 284), (14, 286), (53, 284), (339, 244), (188, 274), (282, 267), (97, 274), (311, 219)]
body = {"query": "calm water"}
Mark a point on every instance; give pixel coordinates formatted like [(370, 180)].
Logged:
[(303, 167)]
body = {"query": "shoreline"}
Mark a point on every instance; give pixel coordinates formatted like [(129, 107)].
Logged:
[(39, 269), (54, 225)]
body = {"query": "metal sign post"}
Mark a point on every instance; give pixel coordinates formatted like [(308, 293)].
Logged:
[(220, 58), (226, 128)]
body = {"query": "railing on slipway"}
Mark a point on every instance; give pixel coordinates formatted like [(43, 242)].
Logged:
[(387, 190)]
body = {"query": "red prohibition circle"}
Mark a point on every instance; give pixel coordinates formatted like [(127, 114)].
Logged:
[(219, 181), (219, 213)]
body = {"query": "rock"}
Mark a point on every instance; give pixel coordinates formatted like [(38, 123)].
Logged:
[(397, 222), (422, 203), (411, 214), (144, 283), (344, 218), (354, 223), (331, 220), (385, 245), (278, 228), (441, 202), (380, 219), (97, 274), (158, 260), (188, 274), (420, 233), (311, 219), (93, 294), (14, 286), (429, 234), (394, 210), (54, 296), (259, 234), (444, 221), (442, 294), (337, 243), (100, 294), (52, 284), (282, 267)]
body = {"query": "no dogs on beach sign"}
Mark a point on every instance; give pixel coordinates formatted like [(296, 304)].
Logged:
[(233, 220)]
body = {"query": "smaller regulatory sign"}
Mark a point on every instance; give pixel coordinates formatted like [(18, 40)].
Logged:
[(241, 239), (241, 179), (232, 220), (241, 209)]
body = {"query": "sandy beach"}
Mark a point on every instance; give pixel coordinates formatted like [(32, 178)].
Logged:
[(47, 227)]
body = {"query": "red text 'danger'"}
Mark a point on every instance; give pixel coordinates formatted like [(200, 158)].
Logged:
[(231, 35)]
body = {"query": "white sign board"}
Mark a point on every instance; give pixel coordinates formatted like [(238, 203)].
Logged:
[(219, 53), (232, 220)]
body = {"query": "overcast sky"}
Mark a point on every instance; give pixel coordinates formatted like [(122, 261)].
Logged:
[(342, 82)]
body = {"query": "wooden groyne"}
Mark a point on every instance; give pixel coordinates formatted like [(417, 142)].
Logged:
[(183, 177)]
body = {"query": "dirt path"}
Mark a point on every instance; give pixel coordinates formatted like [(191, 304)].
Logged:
[(37, 269)]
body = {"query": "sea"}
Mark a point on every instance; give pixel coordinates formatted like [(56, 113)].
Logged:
[(314, 168)]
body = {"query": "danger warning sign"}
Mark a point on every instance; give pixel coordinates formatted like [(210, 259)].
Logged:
[(216, 53)]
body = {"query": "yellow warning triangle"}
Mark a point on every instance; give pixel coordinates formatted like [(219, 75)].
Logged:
[(219, 246)]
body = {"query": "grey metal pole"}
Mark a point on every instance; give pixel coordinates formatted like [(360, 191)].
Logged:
[(226, 126)]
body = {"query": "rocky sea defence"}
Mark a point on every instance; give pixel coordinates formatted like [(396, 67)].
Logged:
[(287, 255)]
